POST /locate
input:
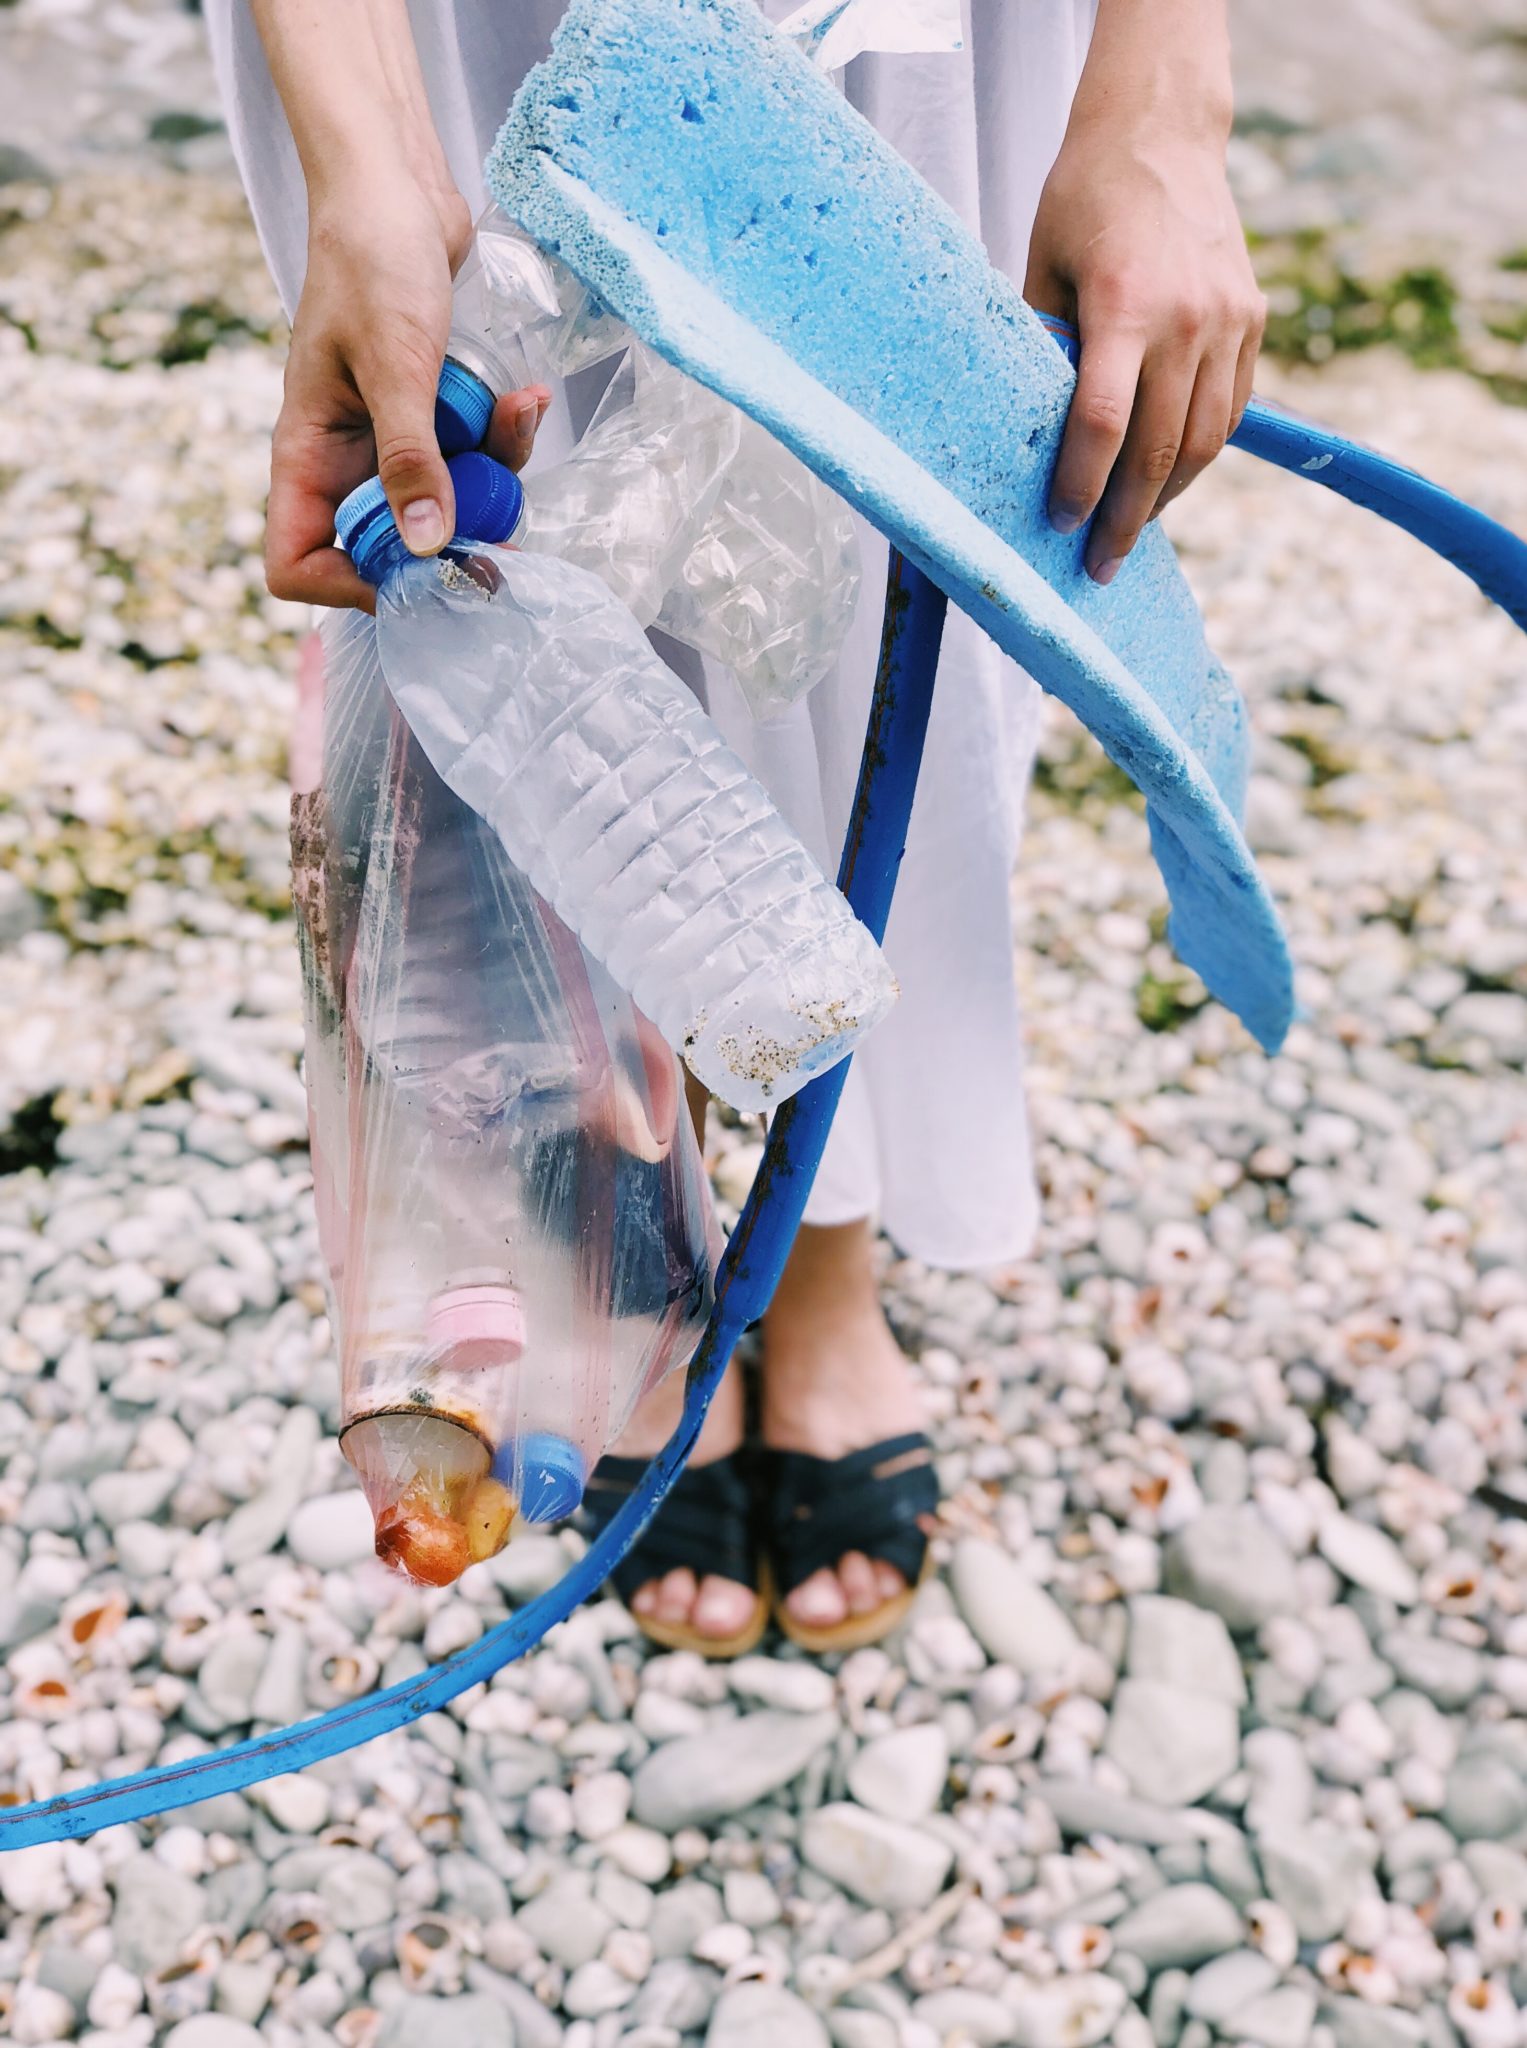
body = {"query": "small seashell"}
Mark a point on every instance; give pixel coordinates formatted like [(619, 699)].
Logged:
[(332, 1679), (1079, 1945), (1009, 1740), (50, 1698), (429, 1955), (360, 2027), (932, 1968), (181, 1990), (1456, 1584), (758, 1966), (1497, 1932), (91, 1619), (186, 1642), (1485, 2013), (297, 1922), (1025, 1949), (1270, 1929)]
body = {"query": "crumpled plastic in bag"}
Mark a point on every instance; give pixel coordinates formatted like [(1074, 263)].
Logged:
[(694, 516), (629, 500)]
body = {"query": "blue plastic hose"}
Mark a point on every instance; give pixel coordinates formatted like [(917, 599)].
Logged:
[(1487, 552), (755, 1258)]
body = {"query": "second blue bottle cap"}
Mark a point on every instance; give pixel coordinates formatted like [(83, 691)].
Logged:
[(490, 502), (463, 408), (550, 1475)]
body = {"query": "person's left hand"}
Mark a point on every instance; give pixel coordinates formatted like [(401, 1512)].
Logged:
[(1137, 240)]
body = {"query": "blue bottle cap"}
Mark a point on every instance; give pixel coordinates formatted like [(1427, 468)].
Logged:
[(552, 1475), (463, 408), (490, 502), (364, 524)]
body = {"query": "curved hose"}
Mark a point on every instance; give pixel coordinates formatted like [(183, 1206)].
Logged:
[(755, 1257)]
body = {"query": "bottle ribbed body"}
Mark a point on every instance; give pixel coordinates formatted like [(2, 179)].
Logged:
[(542, 705)]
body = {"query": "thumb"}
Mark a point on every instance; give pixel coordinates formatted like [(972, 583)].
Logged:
[(401, 401)]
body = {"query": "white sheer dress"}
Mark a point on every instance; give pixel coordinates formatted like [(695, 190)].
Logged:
[(932, 1137)]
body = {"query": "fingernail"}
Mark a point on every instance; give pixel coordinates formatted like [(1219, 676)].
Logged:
[(1063, 521), (1105, 572), (527, 417), (424, 527)]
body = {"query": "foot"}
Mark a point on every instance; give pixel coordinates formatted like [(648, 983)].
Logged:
[(835, 1381), (712, 1606)]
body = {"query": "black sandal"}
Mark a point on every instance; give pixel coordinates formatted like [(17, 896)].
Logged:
[(705, 1523), (878, 1501)]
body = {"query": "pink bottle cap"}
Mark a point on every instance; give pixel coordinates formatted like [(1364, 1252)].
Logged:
[(482, 1325)]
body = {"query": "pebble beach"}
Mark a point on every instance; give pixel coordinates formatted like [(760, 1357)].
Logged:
[(1211, 1726)]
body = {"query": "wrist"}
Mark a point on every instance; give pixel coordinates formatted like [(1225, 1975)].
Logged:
[(370, 183), (1161, 69)]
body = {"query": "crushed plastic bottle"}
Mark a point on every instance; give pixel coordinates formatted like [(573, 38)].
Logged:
[(512, 1209), (693, 514), (772, 578), (647, 471), (540, 703)]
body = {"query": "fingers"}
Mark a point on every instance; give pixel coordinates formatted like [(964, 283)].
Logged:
[(1207, 426), (1221, 393), (324, 577), (1246, 361), (516, 420), (398, 391), (311, 469), (1144, 422), (1149, 454), (1096, 425)]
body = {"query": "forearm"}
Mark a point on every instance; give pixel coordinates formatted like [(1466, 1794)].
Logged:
[(348, 77), (1166, 58)]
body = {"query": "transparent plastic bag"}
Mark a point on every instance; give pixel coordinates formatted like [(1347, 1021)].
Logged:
[(691, 512), (512, 1208)]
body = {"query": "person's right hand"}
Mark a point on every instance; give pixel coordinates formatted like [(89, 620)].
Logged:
[(367, 344)]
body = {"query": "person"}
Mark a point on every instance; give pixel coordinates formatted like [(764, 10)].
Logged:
[(1084, 141)]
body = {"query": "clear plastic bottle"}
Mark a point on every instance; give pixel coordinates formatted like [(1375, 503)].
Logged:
[(540, 703), (511, 1204)]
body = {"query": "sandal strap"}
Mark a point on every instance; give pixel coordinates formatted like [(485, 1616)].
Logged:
[(873, 1501), (705, 1523)]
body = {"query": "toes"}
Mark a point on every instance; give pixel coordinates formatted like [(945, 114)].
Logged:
[(723, 1608), (818, 1602), (675, 1597), (889, 1582), (856, 1575), (645, 1602)]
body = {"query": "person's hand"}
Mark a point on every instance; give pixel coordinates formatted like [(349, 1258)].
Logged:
[(1138, 242), (367, 344)]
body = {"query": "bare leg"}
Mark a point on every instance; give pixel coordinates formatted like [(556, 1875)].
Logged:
[(834, 1380)]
